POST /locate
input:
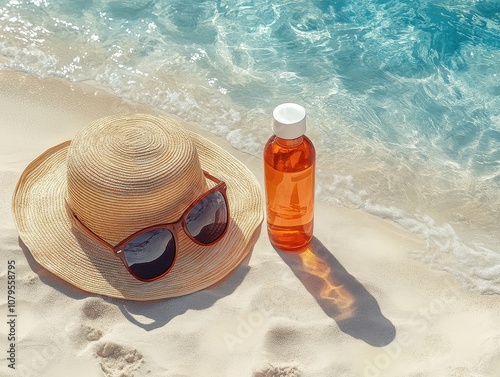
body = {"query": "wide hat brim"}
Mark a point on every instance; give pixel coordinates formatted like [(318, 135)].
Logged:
[(44, 226)]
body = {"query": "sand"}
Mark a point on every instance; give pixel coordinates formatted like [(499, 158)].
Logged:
[(355, 303)]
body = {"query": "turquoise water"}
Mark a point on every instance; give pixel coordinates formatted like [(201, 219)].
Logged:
[(403, 97)]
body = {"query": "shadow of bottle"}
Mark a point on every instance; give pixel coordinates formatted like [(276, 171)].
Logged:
[(340, 295)]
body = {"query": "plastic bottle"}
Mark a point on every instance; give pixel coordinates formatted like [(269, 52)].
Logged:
[(289, 167)]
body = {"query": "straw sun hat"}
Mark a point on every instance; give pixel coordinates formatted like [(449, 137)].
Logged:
[(121, 174)]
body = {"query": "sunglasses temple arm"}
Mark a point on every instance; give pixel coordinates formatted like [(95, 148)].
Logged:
[(98, 239), (211, 177), (76, 223)]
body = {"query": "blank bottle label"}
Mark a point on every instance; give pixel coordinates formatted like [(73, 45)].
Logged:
[(290, 196)]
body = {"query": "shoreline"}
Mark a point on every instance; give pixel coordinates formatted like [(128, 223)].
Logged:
[(355, 299), (452, 225)]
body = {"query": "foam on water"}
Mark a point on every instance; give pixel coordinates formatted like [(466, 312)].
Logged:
[(403, 97)]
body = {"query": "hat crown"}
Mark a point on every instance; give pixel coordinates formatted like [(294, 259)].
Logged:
[(127, 172)]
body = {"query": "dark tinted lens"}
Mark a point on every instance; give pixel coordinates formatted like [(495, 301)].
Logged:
[(208, 219), (150, 254)]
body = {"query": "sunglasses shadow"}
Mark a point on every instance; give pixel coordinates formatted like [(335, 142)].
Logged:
[(341, 296)]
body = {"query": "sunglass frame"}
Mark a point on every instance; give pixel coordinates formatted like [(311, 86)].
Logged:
[(174, 228)]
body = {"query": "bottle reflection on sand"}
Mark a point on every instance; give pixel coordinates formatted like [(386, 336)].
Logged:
[(333, 293)]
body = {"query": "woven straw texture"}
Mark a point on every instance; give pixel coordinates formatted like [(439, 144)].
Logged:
[(45, 228)]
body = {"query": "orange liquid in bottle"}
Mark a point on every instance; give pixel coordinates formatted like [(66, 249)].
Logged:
[(289, 177)]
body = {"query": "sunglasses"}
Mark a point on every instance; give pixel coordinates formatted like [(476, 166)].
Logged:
[(150, 253)]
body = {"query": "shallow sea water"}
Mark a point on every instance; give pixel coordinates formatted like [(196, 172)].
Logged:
[(403, 97)]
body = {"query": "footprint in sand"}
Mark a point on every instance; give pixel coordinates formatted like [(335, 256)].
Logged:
[(31, 279), (115, 360), (91, 334), (272, 371), (94, 308), (118, 361)]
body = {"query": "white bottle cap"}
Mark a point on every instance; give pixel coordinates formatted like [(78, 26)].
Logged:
[(289, 121)]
